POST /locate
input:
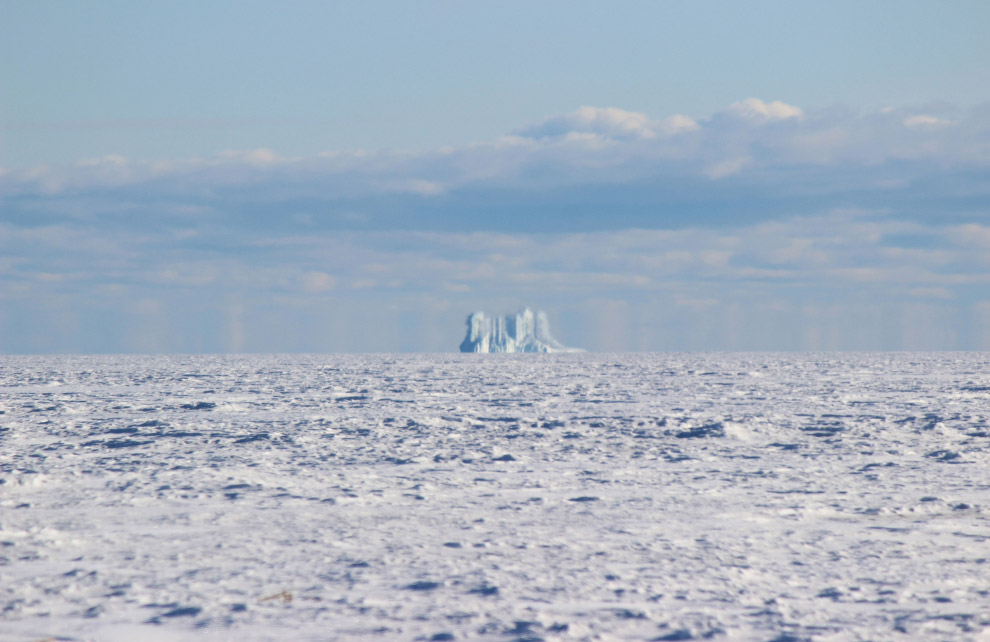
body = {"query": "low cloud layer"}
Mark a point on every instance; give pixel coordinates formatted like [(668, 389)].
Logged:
[(609, 123), (763, 226), (591, 143)]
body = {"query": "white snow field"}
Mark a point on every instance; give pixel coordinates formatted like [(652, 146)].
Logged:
[(496, 497)]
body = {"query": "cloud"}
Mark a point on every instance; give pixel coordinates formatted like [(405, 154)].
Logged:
[(258, 157), (728, 167), (417, 186), (972, 234), (113, 160), (604, 124), (925, 121), (318, 282), (932, 293), (589, 145), (750, 211), (607, 122), (765, 271), (756, 109), (678, 123)]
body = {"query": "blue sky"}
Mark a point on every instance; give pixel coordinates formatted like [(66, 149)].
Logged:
[(309, 176)]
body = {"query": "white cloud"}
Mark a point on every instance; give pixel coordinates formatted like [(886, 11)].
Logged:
[(318, 282), (925, 121), (115, 160), (607, 122), (258, 157), (756, 109), (588, 146), (831, 251), (417, 186), (678, 123), (599, 124), (187, 274), (728, 167), (971, 234)]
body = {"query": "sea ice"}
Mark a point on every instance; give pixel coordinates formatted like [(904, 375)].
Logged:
[(584, 497)]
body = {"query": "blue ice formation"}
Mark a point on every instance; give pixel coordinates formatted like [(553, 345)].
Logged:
[(524, 331)]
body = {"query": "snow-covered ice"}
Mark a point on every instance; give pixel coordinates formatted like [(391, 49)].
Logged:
[(496, 497), (524, 331)]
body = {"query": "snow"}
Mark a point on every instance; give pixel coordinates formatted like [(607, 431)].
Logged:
[(520, 332), (495, 497)]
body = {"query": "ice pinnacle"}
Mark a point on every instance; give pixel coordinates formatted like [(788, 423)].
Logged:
[(524, 331)]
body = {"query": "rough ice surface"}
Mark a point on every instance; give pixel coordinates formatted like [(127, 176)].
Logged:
[(502, 497), (520, 332)]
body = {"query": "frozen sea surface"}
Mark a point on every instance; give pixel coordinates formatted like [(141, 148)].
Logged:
[(496, 497)]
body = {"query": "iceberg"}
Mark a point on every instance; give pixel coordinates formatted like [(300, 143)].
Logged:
[(524, 331)]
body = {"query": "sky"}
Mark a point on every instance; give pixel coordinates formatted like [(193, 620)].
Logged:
[(190, 177)]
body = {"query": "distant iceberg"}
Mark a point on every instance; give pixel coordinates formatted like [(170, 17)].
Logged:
[(520, 332)]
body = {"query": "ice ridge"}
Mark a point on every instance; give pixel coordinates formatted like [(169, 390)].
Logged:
[(524, 331)]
